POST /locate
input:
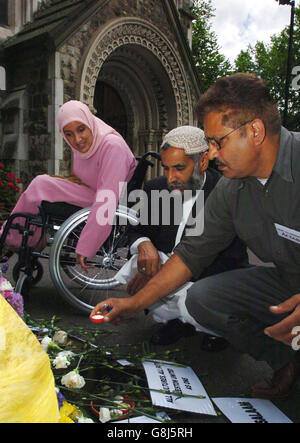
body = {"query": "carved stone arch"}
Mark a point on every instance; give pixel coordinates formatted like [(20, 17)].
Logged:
[(135, 31), (156, 114)]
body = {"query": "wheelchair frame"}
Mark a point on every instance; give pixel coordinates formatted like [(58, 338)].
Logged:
[(28, 270)]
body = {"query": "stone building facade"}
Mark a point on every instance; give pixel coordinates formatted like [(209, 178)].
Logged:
[(128, 60)]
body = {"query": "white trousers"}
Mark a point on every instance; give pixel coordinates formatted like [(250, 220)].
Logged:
[(170, 307)]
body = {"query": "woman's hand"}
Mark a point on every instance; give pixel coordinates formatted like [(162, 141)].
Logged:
[(82, 261)]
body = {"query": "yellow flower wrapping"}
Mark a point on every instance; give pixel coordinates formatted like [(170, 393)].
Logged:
[(68, 413), (26, 380)]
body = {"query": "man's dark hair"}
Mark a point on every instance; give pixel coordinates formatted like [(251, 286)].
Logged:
[(241, 97)]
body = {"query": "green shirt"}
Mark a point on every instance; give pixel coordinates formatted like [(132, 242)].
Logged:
[(246, 208)]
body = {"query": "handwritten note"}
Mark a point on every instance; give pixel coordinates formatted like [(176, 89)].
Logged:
[(250, 410), (177, 387)]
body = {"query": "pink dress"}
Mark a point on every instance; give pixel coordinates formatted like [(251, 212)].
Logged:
[(112, 163)]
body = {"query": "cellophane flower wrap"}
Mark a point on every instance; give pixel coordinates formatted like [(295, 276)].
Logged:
[(26, 380), (7, 291)]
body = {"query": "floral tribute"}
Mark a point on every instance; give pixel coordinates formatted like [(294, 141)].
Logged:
[(7, 291), (92, 385), (9, 185)]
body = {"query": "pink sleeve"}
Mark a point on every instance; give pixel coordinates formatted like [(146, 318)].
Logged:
[(116, 165)]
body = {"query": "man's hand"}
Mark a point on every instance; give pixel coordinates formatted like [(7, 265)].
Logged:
[(137, 283), (148, 262), (115, 310), (283, 331), (172, 276), (82, 261)]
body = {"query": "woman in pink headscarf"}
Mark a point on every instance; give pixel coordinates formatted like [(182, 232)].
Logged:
[(102, 160)]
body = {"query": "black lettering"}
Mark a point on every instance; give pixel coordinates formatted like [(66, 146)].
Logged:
[(252, 412)]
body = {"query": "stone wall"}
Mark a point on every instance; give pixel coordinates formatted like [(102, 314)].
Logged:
[(28, 71), (29, 78), (74, 50)]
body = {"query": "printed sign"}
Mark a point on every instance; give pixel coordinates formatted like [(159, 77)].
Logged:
[(177, 387), (288, 233), (250, 410)]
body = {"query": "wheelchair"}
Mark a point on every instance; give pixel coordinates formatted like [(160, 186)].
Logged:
[(61, 225)]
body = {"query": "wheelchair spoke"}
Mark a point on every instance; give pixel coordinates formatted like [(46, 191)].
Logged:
[(85, 290), (113, 239)]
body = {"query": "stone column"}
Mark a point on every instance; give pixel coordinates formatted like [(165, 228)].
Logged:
[(56, 87)]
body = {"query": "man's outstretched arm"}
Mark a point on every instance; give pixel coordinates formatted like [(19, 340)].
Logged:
[(172, 276)]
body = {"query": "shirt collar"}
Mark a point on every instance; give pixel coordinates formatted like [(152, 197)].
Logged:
[(283, 164)]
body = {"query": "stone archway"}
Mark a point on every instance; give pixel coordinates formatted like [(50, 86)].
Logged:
[(140, 64)]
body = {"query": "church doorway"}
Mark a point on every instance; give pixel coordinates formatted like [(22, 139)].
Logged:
[(110, 108), (134, 80)]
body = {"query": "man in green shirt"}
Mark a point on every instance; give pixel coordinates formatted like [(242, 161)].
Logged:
[(258, 199)]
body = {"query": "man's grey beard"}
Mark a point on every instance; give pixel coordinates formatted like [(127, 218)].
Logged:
[(193, 184)]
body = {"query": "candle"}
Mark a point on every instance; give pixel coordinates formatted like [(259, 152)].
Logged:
[(97, 318)]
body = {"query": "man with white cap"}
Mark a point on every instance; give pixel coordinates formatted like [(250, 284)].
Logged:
[(184, 155)]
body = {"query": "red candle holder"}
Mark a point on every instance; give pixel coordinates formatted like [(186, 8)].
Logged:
[(97, 318)]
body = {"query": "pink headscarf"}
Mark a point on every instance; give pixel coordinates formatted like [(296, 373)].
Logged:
[(74, 110)]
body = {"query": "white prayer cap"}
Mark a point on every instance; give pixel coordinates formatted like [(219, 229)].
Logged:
[(189, 138)]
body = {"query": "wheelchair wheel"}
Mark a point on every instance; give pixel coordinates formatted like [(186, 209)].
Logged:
[(23, 285), (83, 291), (37, 274)]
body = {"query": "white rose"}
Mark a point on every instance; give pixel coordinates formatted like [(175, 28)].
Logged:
[(45, 343), (61, 362), (73, 380), (60, 337), (104, 415), (63, 359), (68, 354)]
